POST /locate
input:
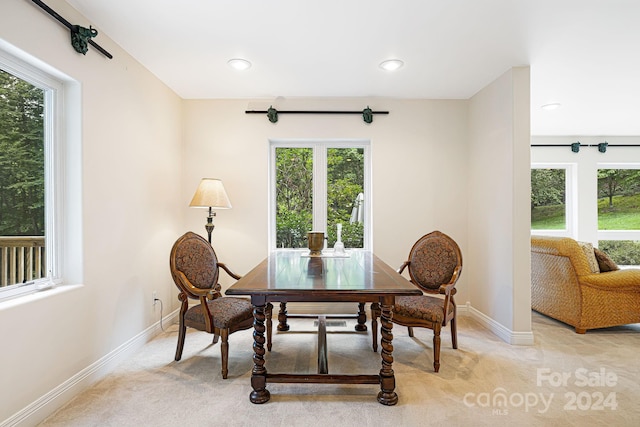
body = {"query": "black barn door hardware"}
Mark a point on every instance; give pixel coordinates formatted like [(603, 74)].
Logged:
[(80, 36), (272, 113)]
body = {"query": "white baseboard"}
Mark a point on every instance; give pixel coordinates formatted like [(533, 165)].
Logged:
[(504, 333), (46, 405)]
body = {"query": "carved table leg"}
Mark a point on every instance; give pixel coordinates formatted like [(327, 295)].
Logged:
[(282, 317), (375, 313), (387, 395), (323, 364), (268, 312), (260, 394), (362, 318)]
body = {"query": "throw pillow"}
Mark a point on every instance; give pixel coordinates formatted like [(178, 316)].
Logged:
[(605, 263), (587, 248)]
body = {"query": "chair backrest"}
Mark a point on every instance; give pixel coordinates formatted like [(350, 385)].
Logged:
[(433, 260), (194, 257)]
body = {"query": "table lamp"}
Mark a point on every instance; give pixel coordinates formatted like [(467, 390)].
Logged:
[(210, 194)]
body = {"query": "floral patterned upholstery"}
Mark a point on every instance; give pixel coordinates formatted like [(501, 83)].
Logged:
[(421, 307), (435, 264), (432, 260), (225, 312), (195, 270), (197, 260)]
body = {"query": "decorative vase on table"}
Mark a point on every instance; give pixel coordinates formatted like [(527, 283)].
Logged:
[(315, 241)]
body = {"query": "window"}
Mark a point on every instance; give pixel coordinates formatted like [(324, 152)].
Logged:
[(619, 212), (316, 185), (29, 224), (601, 192), (551, 199)]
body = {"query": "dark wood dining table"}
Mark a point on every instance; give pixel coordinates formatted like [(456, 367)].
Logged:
[(294, 276)]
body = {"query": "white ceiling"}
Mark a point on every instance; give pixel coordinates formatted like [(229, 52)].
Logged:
[(583, 54)]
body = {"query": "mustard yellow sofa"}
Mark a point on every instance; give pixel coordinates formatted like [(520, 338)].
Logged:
[(566, 287)]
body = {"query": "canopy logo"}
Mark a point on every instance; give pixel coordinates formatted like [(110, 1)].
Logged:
[(500, 401), (591, 396)]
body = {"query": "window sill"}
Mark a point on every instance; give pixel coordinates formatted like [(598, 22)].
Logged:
[(35, 295)]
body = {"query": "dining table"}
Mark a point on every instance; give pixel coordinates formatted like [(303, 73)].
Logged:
[(357, 276)]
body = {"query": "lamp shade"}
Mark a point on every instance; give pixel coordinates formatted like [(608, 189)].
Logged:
[(210, 194)]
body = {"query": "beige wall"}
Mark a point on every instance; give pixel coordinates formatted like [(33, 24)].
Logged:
[(419, 168), (143, 152), (418, 165), (126, 143), (499, 216)]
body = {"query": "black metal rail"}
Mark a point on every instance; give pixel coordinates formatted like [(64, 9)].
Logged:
[(575, 147), (272, 113), (312, 112), (70, 26)]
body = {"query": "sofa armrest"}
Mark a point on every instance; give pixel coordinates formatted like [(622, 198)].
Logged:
[(562, 246), (619, 280)]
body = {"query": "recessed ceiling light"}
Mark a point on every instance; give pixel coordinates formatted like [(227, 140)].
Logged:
[(391, 64), (551, 106), (239, 64)]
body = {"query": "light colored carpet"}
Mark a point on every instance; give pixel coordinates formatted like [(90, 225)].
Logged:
[(565, 379)]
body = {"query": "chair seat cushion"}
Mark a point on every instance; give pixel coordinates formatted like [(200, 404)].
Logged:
[(225, 311), (421, 307)]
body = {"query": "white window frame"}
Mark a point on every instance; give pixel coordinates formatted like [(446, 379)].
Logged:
[(616, 234), (571, 199), (320, 147), (54, 149)]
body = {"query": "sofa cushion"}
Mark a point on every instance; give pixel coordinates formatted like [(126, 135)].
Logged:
[(604, 262), (587, 248)]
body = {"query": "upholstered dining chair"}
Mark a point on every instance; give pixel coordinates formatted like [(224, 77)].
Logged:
[(435, 264), (195, 271)]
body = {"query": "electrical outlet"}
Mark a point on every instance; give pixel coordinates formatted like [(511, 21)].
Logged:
[(155, 297)]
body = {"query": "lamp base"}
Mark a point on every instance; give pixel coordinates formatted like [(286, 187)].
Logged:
[(209, 225)]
